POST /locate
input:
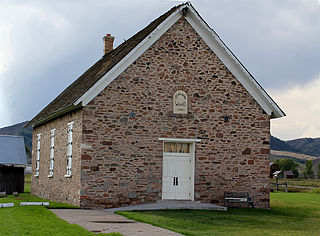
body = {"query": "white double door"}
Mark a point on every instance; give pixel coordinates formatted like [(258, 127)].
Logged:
[(177, 176)]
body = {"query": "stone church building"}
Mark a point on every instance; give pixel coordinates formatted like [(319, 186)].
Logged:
[(170, 114)]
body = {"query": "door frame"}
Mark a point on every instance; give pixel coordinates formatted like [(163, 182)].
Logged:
[(192, 143)]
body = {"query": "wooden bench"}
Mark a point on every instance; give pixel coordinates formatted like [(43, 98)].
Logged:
[(237, 197)]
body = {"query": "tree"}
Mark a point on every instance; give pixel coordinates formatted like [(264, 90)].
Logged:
[(308, 173), (288, 165), (318, 171)]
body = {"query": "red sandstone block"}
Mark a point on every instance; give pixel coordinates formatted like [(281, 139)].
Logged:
[(86, 157), (250, 162), (109, 143), (247, 151), (219, 135), (264, 150), (265, 124)]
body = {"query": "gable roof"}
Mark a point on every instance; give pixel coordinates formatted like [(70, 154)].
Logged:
[(12, 150), (288, 172), (104, 71)]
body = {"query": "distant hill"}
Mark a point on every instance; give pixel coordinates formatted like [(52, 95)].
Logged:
[(20, 130), (280, 145), (307, 146)]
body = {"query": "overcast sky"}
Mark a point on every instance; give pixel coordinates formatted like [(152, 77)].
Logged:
[(46, 45)]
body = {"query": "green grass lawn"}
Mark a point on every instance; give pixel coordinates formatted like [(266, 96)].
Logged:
[(290, 214), (27, 183), (36, 220)]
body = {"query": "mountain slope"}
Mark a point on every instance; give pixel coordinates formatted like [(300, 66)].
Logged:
[(280, 145), (309, 146)]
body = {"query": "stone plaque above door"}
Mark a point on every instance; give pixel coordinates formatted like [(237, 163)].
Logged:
[(180, 102)]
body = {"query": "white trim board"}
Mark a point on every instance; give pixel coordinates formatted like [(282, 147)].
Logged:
[(180, 140), (212, 40)]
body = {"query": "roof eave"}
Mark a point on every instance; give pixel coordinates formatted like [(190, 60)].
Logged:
[(13, 165), (56, 114)]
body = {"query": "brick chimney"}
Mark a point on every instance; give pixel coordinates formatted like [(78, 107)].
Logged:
[(108, 43)]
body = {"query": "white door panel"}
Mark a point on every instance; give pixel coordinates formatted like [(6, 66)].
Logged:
[(177, 176)]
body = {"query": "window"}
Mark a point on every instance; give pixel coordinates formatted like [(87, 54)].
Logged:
[(177, 147), (69, 149), (51, 153), (38, 155)]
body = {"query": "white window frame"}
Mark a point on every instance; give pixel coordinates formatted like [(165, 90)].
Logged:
[(38, 155), (52, 136), (69, 149)]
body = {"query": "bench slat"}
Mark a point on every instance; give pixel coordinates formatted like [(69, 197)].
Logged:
[(238, 197)]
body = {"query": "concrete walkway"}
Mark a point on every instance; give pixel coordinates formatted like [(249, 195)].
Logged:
[(105, 221), (98, 221)]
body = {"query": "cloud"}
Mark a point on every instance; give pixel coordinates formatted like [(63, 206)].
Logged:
[(302, 107), (273, 39), (29, 37), (5, 119)]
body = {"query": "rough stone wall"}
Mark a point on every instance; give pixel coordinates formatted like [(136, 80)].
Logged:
[(122, 156), (58, 188)]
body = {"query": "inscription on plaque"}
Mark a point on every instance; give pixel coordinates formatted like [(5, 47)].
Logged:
[(180, 102)]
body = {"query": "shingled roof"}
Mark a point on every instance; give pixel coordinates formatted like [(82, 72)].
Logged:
[(65, 101), (12, 150), (88, 85)]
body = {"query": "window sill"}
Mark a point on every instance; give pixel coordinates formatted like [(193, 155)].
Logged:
[(37, 176), (50, 176), (68, 176)]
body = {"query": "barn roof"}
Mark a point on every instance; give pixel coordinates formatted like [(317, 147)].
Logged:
[(12, 150), (104, 71), (288, 172)]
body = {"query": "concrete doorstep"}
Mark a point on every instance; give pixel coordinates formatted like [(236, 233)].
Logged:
[(98, 221), (171, 204)]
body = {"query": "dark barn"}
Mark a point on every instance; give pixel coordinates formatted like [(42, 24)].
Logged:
[(288, 174), (12, 163)]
